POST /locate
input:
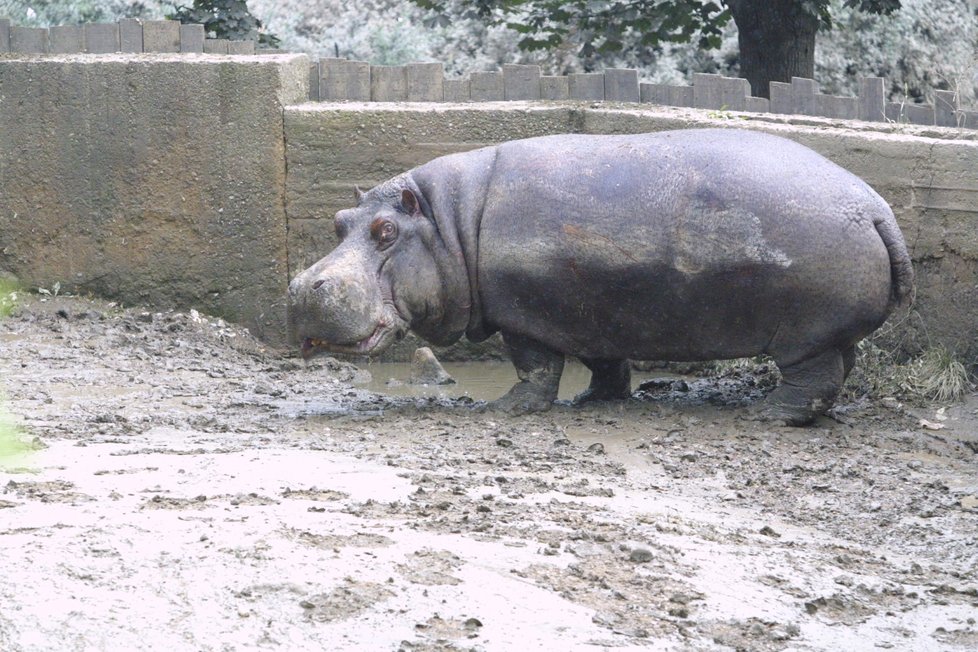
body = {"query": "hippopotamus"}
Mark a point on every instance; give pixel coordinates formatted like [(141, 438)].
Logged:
[(686, 245)]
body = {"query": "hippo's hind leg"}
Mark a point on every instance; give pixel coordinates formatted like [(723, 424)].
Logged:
[(808, 388), (610, 380), (538, 368)]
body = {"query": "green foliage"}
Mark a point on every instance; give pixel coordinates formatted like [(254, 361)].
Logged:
[(602, 27), (40, 13), (229, 19)]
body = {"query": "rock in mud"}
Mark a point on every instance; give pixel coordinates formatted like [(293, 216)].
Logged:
[(426, 370)]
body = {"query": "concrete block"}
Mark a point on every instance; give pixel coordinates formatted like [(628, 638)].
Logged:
[(586, 86), (894, 112), (241, 47), (707, 91), (388, 84), (4, 35), (781, 100), (115, 201), (486, 86), (621, 85), (66, 39), (758, 104), (341, 79), (872, 99), (457, 90), (425, 82), (803, 96), (102, 38), (219, 46), (554, 87), (833, 106), (734, 92), (28, 40), (192, 38), (968, 119), (653, 93), (130, 35), (919, 114), (314, 81), (161, 36), (679, 95), (945, 108), (521, 82)]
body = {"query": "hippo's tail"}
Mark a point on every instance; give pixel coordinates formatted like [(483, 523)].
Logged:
[(901, 269)]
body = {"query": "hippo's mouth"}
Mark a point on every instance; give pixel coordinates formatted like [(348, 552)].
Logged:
[(377, 341)]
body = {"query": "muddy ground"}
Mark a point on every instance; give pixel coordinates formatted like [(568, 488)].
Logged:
[(188, 490)]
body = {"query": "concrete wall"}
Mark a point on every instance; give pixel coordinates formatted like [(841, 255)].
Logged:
[(927, 175), (152, 179)]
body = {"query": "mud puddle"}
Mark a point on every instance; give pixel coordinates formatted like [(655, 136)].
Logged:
[(184, 488), (479, 381)]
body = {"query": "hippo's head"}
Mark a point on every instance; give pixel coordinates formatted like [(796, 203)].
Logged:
[(391, 272)]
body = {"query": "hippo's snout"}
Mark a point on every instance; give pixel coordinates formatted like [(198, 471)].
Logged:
[(337, 305)]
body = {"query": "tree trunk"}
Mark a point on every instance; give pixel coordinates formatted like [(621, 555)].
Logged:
[(777, 41)]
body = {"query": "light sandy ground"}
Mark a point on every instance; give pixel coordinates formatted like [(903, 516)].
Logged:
[(187, 490)]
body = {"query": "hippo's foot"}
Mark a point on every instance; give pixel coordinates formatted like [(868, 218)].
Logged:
[(523, 398), (538, 367), (808, 388), (611, 380)]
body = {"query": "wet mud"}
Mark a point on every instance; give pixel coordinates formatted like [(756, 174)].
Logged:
[(185, 488)]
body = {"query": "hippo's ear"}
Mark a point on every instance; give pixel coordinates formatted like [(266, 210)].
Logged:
[(410, 203), (358, 194)]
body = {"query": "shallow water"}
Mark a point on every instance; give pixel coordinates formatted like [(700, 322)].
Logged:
[(480, 381)]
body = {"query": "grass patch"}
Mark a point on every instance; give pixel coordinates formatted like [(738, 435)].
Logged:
[(12, 445), (9, 290), (936, 374)]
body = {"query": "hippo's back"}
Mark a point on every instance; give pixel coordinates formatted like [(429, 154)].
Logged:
[(682, 245)]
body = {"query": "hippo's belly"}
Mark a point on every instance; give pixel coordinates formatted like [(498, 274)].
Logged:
[(639, 310)]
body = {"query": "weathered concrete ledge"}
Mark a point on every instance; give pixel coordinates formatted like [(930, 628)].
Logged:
[(151, 179), (927, 174)]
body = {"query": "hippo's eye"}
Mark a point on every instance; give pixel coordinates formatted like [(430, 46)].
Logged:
[(383, 231)]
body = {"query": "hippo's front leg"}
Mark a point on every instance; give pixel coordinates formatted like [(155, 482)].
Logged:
[(538, 368)]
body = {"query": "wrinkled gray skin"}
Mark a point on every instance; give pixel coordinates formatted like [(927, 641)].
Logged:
[(683, 245)]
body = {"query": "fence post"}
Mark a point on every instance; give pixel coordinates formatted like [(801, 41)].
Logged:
[(457, 90), (486, 86), (586, 86), (66, 39), (521, 82), (191, 38), (101, 38), (554, 87), (388, 84), (130, 35), (872, 99), (621, 85), (425, 82)]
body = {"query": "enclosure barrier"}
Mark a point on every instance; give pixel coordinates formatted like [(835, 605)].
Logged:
[(128, 35), (341, 79), (334, 79)]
